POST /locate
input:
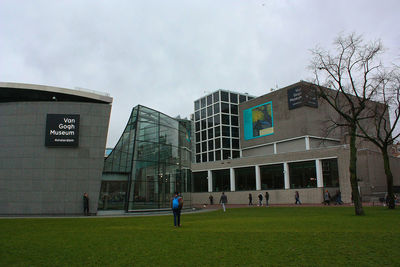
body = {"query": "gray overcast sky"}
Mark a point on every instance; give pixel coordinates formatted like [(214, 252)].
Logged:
[(165, 54)]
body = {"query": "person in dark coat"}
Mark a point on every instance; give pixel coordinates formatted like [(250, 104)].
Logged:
[(297, 198), (250, 200), (266, 199), (260, 198), (223, 200), (85, 204)]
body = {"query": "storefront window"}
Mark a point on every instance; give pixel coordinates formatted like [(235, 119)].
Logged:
[(330, 172), (245, 179), (221, 180), (272, 177), (303, 174)]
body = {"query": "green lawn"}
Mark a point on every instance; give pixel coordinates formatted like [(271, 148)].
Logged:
[(276, 236)]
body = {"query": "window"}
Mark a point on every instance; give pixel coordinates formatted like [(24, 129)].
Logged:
[(226, 143), (196, 105), (235, 154), (217, 131), (330, 172), (216, 120), (245, 178), (225, 119), (197, 137), (203, 124), (217, 143), (211, 133), (216, 108), (210, 122), (216, 97), (235, 132), (198, 148), (225, 107), (226, 154), (203, 135), (272, 177), (198, 159), (209, 100), (221, 180), (203, 102), (224, 96), (218, 155), (226, 131), (234, 98), (204, 146), (210, 145), (302, 174), (197, 126), (234, 109), (203, 113), (197, 115), (204, 157), (210, 156), (242, 98), (209, 111), (200, 182), (235, 143)]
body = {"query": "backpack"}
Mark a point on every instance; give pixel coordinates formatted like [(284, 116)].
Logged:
[(175, 203)]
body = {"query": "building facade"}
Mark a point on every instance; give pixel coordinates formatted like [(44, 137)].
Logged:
[(52, 144), (286, 147), (149, 163), (216, 124)]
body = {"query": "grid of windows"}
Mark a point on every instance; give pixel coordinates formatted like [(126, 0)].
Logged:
[(217, 126)]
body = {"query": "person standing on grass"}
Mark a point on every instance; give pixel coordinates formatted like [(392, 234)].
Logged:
[(297, 197), (176, 205), (266, 199), (250, 200), (85, 204), (223, 200), (327, 198), (260, 198)]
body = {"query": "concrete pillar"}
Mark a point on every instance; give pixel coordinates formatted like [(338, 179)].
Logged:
[(286, 175), (307, 143), (318, 170), (233, 186), (258, 177), (210, 181)]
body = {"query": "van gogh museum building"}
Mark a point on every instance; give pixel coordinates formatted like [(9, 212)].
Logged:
[(53, 145)]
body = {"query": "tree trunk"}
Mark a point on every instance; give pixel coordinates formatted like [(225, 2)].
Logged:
[(389, 178), (353, 172)]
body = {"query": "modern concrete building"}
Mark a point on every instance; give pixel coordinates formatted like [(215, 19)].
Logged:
[(286, 147), (52, 143)]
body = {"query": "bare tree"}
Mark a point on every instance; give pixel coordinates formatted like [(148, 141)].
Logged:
[(380, 131), (349, 72)]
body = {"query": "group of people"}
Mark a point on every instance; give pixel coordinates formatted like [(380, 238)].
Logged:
[(260, 199)]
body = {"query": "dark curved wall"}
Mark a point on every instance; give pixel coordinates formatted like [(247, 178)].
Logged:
[(35, 179)]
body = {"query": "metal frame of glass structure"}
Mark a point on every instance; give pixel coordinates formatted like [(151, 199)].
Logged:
[(151, 161)]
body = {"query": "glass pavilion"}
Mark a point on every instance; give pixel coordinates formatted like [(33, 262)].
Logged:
[(149, 163)]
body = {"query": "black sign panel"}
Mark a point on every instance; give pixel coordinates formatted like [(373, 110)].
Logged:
[(299, 96), (62, 130)]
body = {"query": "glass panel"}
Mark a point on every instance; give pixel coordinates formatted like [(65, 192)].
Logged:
[(234, 109), (200, 182), (226, 154), (225, 107), (216, 97), (242, 98), (204, 157), (234, 98), (203, 102), (235, 132), (226, 131), (224, 96), (196, 105), (225, 119), (211, 133), (235, 154), (272, 177), (197, 137), (203, 124), (330, 172), (198, 159), (218, 155), (234, 120), (221, 180), (302, 174), (204, 135), (235, 143), (226, 143), (209, 111), (217, 143), (113, 195), (197, 115), (216, 120), (197, 126), (217, 131), (210, 156), (209, 100), (210, 145), (245, 178), (216, 108), (198, 148), (203, 113), (210, 122)]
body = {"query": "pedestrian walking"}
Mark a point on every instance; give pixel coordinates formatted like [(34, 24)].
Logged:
[(176, 205), (266, 199), (260, 199), (338, 198), (85, 204), (327, 198), (297, 198), (223, 200), (250, 200), (211, 198)]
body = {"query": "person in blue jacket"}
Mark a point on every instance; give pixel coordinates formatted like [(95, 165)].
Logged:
[(176, 205)]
